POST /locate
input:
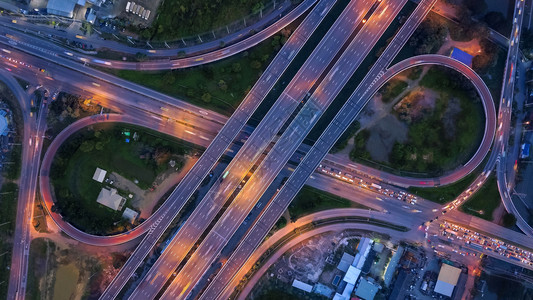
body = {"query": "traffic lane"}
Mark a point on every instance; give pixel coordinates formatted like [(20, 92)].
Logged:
[(505, 118), (260, 138), (295, 134), (198, 59), (18, 261), (295, 241), (146, 92), (116, 286), (117, 46), (277, 208)]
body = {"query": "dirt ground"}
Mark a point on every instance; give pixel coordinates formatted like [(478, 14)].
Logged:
[(59, 271), (144, 201), (383, 135)]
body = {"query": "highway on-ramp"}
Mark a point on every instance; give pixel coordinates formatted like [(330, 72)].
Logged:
[(169, 210), (55, 52), (312, 159), (34, 128), (292, 136)]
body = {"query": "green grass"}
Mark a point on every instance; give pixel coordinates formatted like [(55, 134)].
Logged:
[(220, 86), (310, 200), (8, 203), (392, 89), (179, 18), (487, 199), (446, 193), (431, 137), (75, 163)]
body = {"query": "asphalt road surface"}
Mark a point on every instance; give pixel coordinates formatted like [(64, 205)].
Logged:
[(233, 126), (283, 149), (49, 48)]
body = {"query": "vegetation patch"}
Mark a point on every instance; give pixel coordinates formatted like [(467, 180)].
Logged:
[(446, 193), (66, 109), (444, 119), (219, 86), (137, 154), (179, 18), (392, 89), (8, 203), (310, 200), (483, 203)]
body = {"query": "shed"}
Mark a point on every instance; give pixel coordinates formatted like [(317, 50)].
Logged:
[(130, 215), (302, 286), (99, 175), (462, 56)]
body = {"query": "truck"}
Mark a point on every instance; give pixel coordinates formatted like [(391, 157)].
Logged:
[(376, 186)]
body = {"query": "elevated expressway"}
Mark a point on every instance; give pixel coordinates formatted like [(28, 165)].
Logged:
[(27, 23), (176, 130), (369, 85), (46, 47), (169, 210), (231, 129), (266, 131), (505, 112)]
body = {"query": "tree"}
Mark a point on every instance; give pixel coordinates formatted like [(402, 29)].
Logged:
[(476, 6), (255, 64), (87, 146), (99, 146), (509, 220), (222, 85), (236, 67), (206, 97)]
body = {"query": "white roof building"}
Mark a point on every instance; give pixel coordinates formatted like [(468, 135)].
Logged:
[(63, 8), (302, 286), (111, 199), (130, 214), (447, 280), (99, 175)]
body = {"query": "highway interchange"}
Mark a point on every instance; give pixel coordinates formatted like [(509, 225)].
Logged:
[(314, 83)]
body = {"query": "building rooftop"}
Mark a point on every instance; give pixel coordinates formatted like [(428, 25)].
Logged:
[(345, 262), (3, 123), (447, 280), (63, 8), (462, 56), (391, 268), (110, 198), (367, 289), (99, 175), (130, 214), (302, 285), (351, 275)]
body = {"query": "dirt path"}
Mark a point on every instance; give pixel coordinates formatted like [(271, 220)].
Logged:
[(164, 184), (145, 200)]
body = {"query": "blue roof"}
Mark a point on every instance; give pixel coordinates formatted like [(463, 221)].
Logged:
[(462, 56), (525, 150)]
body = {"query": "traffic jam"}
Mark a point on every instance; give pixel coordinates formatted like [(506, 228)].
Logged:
[(480, 242), (349, 178)]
